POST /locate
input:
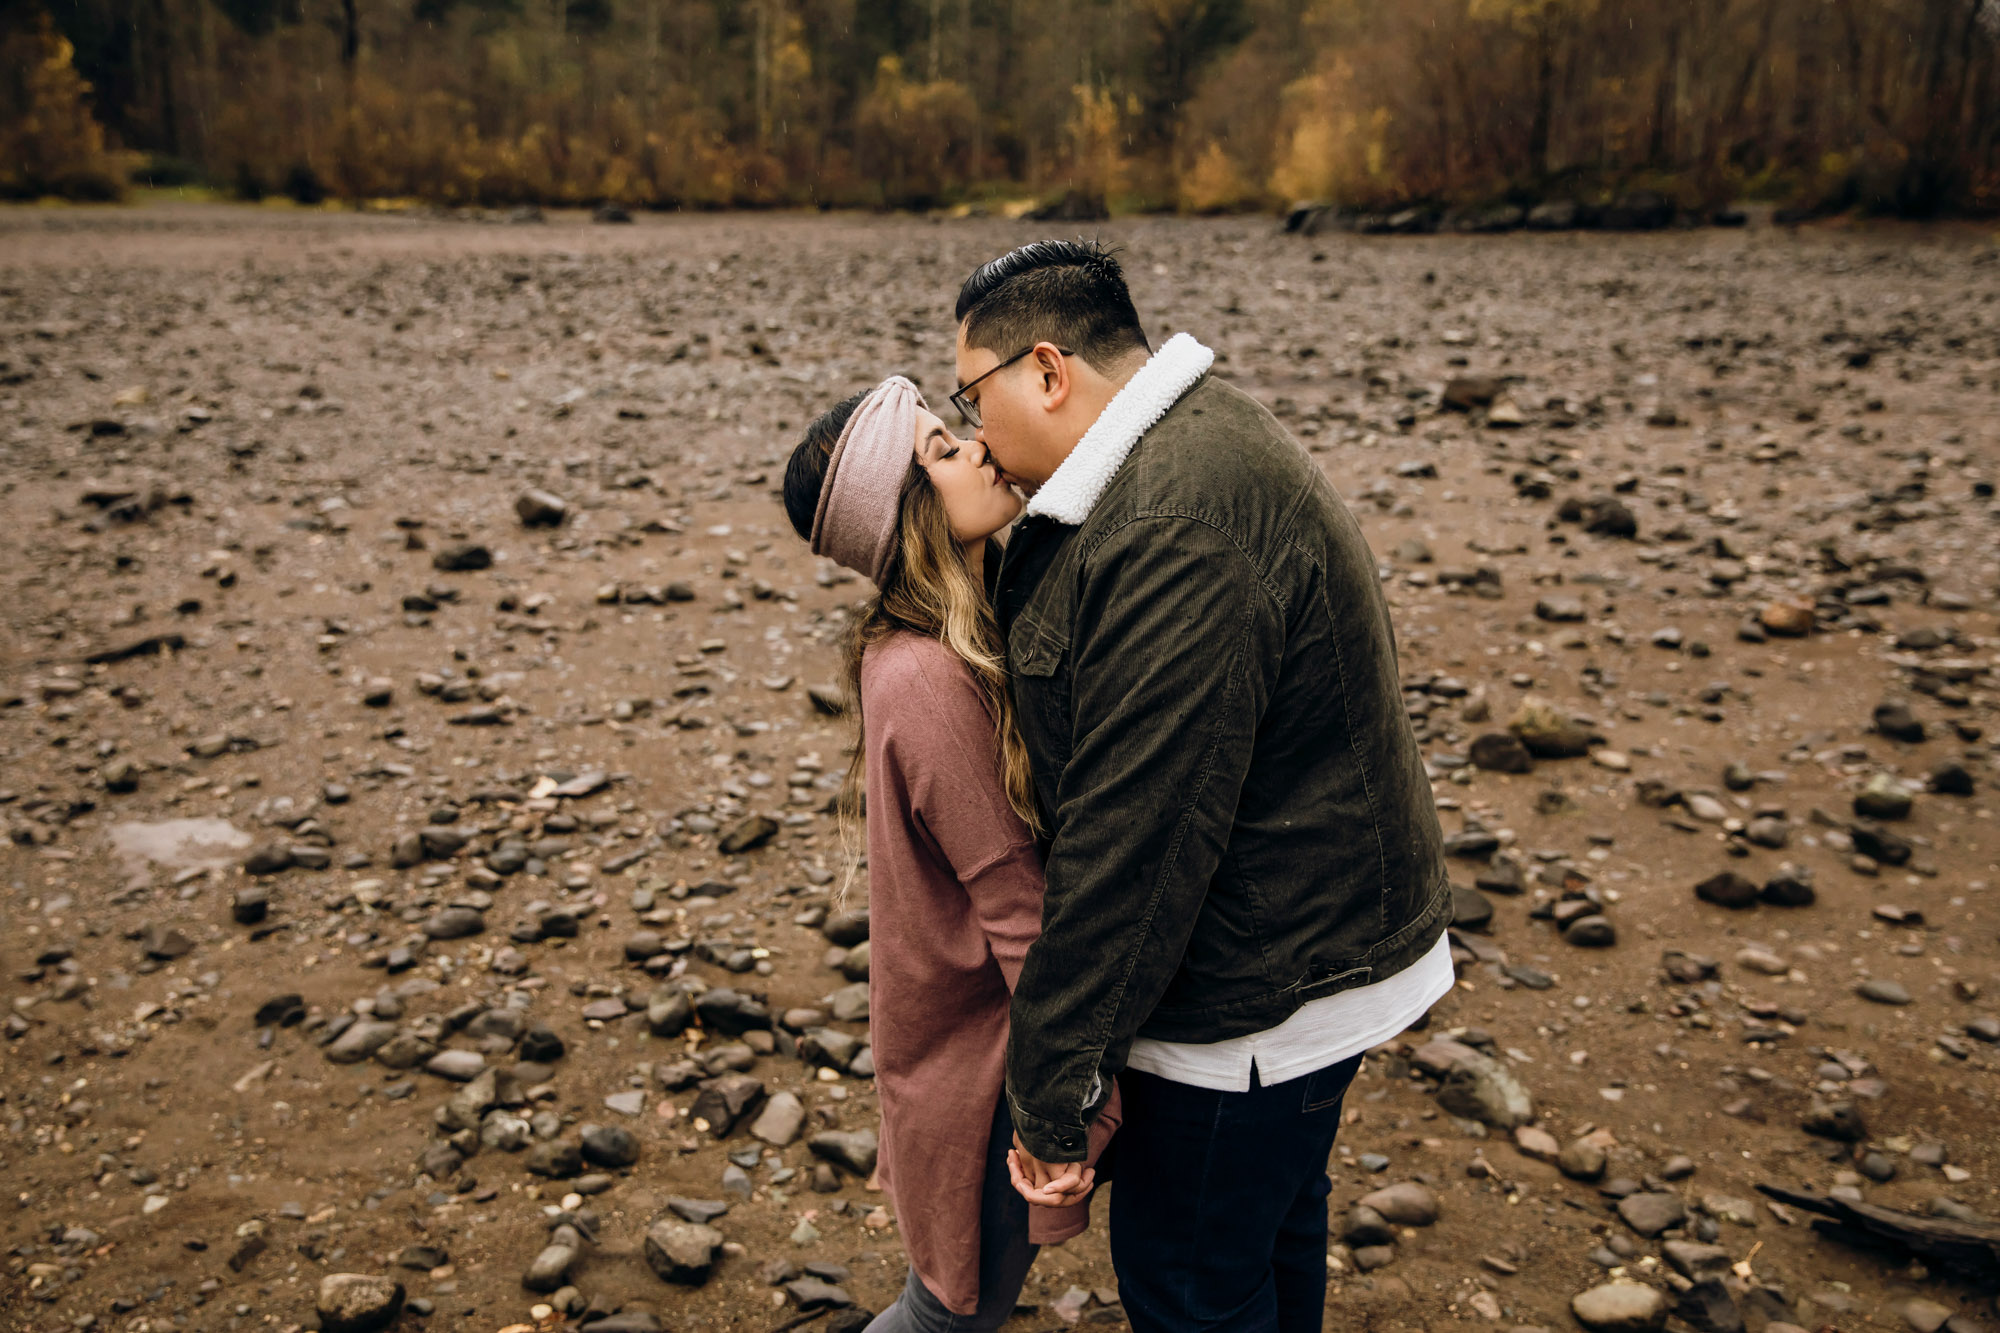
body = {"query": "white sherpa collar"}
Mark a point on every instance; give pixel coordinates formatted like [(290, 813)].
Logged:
[(1070, 495)]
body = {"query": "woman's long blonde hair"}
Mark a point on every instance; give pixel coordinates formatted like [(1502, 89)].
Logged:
[(927, 589)]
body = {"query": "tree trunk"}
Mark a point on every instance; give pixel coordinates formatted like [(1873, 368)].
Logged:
[(1544, 110), (350, 38), (1665, 96), (761, 73)]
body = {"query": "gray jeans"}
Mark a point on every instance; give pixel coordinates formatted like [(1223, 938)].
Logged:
[(1004, 1256)]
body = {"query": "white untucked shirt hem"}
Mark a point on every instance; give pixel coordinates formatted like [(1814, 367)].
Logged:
[(1323, 1032)]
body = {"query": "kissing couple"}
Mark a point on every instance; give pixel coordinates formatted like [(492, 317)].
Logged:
[(1152, 855)]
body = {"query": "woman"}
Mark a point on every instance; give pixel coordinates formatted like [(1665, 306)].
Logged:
[(879, 485)]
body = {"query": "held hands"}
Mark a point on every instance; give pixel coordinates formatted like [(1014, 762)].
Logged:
[(1050, 1184)]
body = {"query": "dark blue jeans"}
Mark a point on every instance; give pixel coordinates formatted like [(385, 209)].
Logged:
[(1218, 1216)]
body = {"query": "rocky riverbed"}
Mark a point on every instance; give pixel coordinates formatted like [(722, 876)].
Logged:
[(418, 728)]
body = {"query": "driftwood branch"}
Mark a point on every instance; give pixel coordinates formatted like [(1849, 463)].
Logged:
[(1969, 1249), (800, 1321)]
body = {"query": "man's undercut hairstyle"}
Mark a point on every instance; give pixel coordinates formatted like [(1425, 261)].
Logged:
[(1070, 293)]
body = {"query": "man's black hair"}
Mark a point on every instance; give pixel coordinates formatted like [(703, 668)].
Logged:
[(806, 472), (1070, 293)]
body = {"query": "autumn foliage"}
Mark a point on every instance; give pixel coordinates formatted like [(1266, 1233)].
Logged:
[(49, 141), (1196, 105)]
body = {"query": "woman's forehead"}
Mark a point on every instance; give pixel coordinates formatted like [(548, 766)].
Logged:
[(929, 443)]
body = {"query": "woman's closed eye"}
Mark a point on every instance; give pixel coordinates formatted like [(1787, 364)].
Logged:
[(938, 446)]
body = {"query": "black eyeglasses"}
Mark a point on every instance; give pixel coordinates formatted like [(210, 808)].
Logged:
[(969, 407)]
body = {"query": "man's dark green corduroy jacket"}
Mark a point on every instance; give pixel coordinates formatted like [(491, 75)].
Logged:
[(1238, 819)]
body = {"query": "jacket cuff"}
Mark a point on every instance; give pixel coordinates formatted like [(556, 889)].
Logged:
[(1052, 1141)]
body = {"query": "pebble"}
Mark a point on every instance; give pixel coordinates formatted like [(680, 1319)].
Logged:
[(559, 1159), (1480, 1088), (1898, 723), (539, 508), (1883, 798), (1791, 887), (781, 1121), (454, 923), (461, 557), (1883, 991), (747, 834), (811, 1293), (1581, 1159), (853, 1151), (625, 1321), (1364, 1226), (1470, 909), (360, 1041), (1728, 1208), (1792, 619), (1591, 931), (1706, 808), (1536, 1142), (1950, 778), (457, 1065), (1406, 1204), (1924, 1316), (703, 1211), (1839, 1120), (610, 1146), (1368, 1258), (1695, 1261), (1727, 889), (1763, 961), (725, 1100), (668, 1013), (731, 1013), (847, 928), (682, 1253), (1620, 1307), (1548, 731), (550, 1269), (1650, 1213), (357, 1302)]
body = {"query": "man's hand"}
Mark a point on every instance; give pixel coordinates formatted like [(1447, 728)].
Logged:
[(1050, 1184)]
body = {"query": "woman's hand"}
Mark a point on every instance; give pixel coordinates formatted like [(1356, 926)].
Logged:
[(1050, 1185)]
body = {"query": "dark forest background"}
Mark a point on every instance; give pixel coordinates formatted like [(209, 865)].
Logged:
[(1195, 105)]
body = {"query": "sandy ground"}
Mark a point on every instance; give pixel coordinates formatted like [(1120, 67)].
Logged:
[(236, 442)]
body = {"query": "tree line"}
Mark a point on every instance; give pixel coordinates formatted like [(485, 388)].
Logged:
[(1195, 105)]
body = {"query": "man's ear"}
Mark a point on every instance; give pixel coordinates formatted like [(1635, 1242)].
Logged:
[(1053, 367)]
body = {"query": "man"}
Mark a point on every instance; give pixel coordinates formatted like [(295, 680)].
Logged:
[(1246, 885)]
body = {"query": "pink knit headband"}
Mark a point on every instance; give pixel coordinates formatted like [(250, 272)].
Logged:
[(861, 497)]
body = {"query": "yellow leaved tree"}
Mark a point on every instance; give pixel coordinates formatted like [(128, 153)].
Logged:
[(50, 144)]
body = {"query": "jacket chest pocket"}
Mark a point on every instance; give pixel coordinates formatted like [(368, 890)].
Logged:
[(1043, 697)]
